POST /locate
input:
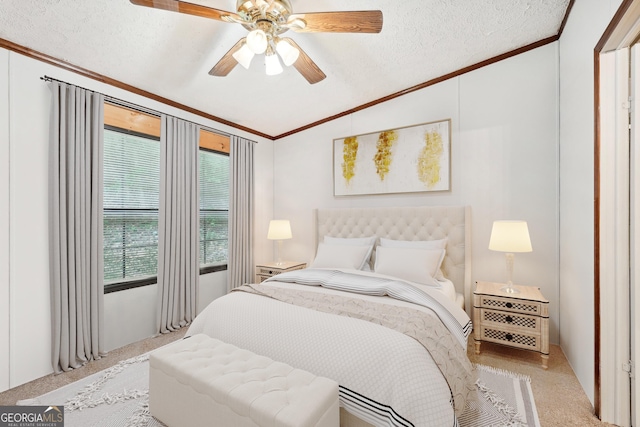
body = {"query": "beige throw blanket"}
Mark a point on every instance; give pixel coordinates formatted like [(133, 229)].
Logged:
[(426, 328)]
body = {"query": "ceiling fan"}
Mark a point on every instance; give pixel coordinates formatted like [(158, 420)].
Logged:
[(266, 20)]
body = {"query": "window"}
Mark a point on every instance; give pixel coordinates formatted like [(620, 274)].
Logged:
[(131, 198), (132, 194), (214, 207)]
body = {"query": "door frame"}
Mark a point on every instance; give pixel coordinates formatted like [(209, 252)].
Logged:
[(612, 233), (614, 260)]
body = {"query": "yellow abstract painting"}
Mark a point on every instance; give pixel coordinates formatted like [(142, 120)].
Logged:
[(406, 159)]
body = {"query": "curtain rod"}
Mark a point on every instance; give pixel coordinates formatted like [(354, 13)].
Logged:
[(123, 103)]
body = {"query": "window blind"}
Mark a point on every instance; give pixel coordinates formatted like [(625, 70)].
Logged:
[(214, 207), (131, 197), (131, 200)]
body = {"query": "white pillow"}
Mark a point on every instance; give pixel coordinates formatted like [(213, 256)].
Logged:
[(357, 241), (342, 256), (412, 264), (418, 244), (354, 241)]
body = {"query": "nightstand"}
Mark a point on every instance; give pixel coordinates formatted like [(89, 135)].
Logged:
[(266, 270), (519, 320)]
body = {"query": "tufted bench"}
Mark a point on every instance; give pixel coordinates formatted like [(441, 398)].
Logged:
[(202, 381)]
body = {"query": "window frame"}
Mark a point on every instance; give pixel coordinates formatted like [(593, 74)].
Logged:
[(137, 123), (213, 266), (115, 285)]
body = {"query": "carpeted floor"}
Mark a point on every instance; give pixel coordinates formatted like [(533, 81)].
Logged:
[(560, 400), (118, 396), (559, 397), (52, 382)]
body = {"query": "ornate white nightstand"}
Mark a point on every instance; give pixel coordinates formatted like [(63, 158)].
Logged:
[(266, 270), (519, 320)]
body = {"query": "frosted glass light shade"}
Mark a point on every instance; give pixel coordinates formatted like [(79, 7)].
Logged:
[(272, 65), (279, 229), (510, 236), (288, 53), (257, 41), (244, 55)]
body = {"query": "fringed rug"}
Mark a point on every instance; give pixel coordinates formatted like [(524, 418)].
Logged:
[(118, 397), (504, 398)]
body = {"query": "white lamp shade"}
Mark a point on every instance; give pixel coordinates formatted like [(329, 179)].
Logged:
[(272, 65), (257, 41), (288, 53), (510, 236), (244, 56), (279, 229)]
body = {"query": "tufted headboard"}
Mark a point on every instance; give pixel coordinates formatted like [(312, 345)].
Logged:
[(409, 223)]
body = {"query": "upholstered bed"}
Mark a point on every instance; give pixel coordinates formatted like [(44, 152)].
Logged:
[(409, 223), (367, 316)]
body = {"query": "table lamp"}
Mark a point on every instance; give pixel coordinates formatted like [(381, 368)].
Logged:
[(279, 229), (510, 237)]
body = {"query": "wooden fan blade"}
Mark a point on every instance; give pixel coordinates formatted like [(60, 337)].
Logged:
[(365, 21), (189, 9), (227, 62), (306, 66)]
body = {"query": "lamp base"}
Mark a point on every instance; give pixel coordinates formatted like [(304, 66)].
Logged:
[(279, 262), (509, 289)]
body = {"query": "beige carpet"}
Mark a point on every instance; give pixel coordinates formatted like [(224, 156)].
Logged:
[(560, 400), (559, 397), (52, 382)]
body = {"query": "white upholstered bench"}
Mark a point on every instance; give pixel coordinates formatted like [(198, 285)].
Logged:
[(202, 381)]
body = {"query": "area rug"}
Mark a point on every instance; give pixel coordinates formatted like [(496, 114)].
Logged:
[(503, 398), (118, 397)]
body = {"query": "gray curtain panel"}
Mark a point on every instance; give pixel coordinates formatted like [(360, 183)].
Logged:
[(75, 225), (241, 206), (178, 225)]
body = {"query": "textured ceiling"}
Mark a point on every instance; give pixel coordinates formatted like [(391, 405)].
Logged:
[(170, 54)]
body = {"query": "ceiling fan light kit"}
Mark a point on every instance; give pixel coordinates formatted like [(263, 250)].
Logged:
[(266, 20), (272, 64), (257, 41), (244, 55), (288, 53)]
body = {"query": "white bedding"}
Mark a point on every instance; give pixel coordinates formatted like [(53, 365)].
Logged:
[(443, 285), (449, 290), (386, 377)]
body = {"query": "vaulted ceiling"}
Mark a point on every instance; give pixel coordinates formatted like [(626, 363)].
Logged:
[(170, 54)]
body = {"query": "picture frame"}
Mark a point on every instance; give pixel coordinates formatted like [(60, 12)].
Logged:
[(409, 159)]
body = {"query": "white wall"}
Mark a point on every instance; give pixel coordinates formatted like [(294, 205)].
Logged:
[(24, 124), (504, 163), (30, 331), (509, 134), (131, 315), (4, 219), (586, 24)]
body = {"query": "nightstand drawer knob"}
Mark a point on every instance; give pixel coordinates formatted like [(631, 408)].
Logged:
[(509, 305), (509, 319), (509, 337)]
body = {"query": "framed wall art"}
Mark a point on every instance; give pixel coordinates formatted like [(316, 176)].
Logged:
[(404, 160)]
